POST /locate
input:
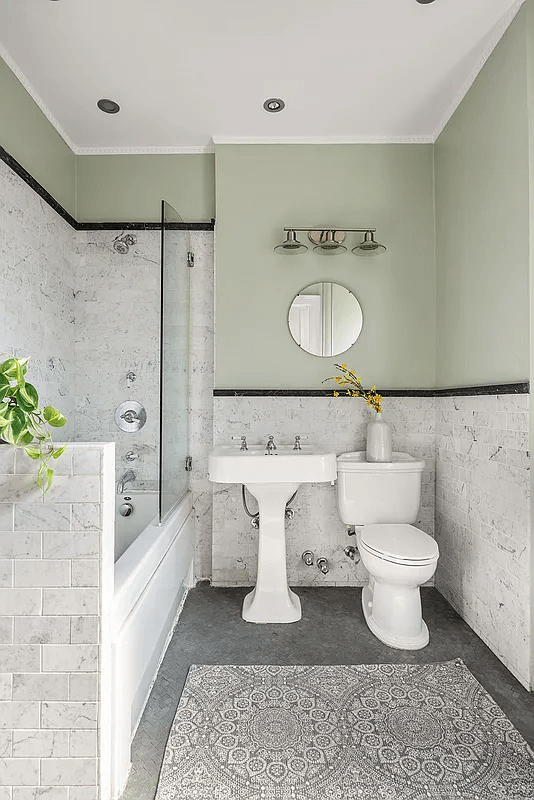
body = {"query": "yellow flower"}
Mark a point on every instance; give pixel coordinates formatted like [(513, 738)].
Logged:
[(336, 394), (343, 366)]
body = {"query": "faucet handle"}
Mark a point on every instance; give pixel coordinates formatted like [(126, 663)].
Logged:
[(244, 445), (298, 440)]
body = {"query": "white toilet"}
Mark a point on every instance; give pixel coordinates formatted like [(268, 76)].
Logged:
[(381, 500)]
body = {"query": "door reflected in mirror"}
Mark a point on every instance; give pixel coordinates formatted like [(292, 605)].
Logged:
[(325, 319)]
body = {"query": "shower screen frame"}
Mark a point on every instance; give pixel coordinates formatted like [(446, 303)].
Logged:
[(174, 362)]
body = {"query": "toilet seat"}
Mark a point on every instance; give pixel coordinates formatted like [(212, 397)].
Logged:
[(399, 544)]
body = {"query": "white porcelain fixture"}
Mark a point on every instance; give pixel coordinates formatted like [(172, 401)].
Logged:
[(272, 478), (381, 500)]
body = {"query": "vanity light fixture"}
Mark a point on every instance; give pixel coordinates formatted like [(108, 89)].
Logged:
[(329, 242), (291, 246)]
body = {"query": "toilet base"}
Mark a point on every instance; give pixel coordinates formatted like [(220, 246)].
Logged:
[(399, 642)]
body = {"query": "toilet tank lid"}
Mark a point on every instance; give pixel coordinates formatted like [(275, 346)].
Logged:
[(403, 542), (401, 462)]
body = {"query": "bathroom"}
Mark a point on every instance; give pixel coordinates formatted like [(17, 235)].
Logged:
[(93, 658)]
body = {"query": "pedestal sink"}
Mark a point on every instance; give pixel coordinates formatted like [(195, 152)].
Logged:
[(272, 478)]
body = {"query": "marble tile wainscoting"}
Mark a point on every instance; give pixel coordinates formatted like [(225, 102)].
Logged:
[(339, 423), (38, 270), (483, 519), (56, 596)]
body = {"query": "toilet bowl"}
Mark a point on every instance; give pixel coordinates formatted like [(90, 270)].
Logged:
[(399, 559), (381, 500)]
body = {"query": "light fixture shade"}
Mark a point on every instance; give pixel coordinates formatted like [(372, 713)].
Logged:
[(368, 247), (330, 247), (291, 246)]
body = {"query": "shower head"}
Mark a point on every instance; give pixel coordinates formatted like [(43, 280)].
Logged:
[(123, 243)]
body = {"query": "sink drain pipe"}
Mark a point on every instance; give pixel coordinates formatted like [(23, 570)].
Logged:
[(255, 518)]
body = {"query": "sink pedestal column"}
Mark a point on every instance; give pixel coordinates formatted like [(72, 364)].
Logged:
[(272, 600)]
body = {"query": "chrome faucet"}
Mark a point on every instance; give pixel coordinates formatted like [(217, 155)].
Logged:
[(270, 447), (129, 475)]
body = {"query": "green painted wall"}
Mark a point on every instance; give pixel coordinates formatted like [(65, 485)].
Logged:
[(262, 188), (129, 188), (482, 225), (29, 137)]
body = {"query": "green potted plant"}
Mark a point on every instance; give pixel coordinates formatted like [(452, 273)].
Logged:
[(23, 424)]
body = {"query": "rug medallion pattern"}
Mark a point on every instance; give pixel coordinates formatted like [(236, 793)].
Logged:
[(365, 732)]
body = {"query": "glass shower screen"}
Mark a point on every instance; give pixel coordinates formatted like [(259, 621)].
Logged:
[(174, 362)]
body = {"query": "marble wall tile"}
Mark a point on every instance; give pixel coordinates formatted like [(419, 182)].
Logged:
[(15, 715), (38, 265), (19, 771), (42, 630), (69, 771), (36, 686), (42, 573), (483, 519), (70, 658), (70, 601), (39, 743), (41, 793), (339, 422), (71, 716)]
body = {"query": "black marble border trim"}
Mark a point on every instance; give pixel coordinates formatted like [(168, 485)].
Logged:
[(521, 387), (145, 226), (95, 226), (36, 186)]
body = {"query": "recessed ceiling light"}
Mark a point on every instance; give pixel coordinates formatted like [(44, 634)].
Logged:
[(108, 106), (274, 104)]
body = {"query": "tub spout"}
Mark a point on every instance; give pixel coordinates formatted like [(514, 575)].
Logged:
[(129, 475)]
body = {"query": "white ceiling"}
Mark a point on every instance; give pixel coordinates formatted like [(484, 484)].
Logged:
[(184, 72)]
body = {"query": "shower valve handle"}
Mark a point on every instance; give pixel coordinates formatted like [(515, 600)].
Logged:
[(130, 416)]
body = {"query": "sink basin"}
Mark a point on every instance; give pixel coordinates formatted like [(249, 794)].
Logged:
[(312, 464)]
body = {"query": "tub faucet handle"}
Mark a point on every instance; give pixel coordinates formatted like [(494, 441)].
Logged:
[(244, 445), (298, 440)]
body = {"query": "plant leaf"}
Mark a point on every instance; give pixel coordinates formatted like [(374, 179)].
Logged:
[(28, 394), (54, 417), (59, 452), (32, 452)]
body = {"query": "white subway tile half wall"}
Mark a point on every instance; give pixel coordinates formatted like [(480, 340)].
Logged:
[(50, 647)]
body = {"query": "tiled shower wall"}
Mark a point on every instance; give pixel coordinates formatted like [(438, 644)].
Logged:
[(117, 332), (483, 519), (38, 267), (339, 422)]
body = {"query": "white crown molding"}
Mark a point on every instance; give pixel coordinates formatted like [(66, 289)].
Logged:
[(502, 26), (136, 151), (35, 97), (423, 139)]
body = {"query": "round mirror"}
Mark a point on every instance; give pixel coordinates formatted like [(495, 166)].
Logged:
[(325, 319)]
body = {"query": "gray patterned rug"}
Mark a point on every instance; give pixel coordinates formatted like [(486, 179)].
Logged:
[(368, 732)]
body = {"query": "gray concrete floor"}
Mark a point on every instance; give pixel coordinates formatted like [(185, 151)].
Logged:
[(332, 631)]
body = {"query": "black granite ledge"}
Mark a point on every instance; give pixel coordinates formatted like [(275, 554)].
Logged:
[(95, 226), (145, 226), (521, 387)]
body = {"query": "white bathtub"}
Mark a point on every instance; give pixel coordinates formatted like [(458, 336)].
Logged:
[(152, 577), (127, 529)]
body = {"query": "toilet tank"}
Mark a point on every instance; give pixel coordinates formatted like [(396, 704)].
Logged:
[(374, 492)]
